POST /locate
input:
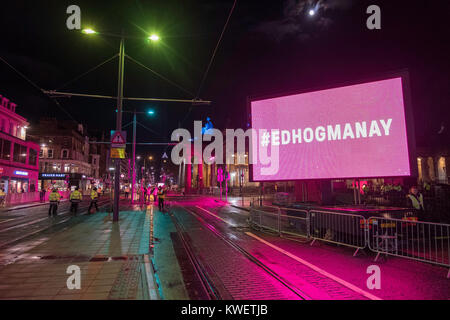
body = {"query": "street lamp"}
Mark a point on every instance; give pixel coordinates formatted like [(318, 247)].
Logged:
[(88, 31), (153, 37), (312, 12)]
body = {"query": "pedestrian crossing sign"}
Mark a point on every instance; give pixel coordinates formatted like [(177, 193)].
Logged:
[(118, 139)]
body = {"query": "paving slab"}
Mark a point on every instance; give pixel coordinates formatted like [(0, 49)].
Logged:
[(110, 257)]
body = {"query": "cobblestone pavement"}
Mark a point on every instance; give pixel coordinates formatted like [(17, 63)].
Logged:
[(111, 257), (234, 276)]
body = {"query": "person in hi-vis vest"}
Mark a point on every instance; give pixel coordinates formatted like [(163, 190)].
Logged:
[(94, 199), (415, 200), (54, 199), (75, 199)]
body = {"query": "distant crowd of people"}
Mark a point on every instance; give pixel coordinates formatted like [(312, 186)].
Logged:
[(148, 195), (151, 194)]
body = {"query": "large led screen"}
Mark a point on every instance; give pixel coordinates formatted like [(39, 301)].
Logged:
[(344, 132)]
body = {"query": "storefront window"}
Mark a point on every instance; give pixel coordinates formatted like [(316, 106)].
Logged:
[(33, 157), (18, 185), (20, 153), (6, 150)]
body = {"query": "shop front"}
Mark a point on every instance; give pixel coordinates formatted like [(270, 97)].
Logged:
[(63, 181), (18, 180)]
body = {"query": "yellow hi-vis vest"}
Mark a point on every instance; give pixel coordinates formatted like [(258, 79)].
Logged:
[(94, 195), (54, 196), (76, 195), (416, 202)]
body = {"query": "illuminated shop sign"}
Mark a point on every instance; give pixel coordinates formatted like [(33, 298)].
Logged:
[(53, 175), (21, 173)]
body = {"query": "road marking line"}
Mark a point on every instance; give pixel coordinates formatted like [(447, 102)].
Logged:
[(216, 216), (317, 269), (7, 220)]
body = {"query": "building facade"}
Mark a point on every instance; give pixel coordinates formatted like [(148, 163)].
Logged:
[(18, 157), (65, 159)]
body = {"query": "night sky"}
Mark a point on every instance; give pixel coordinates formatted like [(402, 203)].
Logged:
[(268, 47)]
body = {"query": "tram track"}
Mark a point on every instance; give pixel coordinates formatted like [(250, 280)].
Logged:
[(65, 215), (307, 279), (208, 284), (209, 290)]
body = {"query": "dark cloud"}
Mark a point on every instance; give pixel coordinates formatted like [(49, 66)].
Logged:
[(295, 21)]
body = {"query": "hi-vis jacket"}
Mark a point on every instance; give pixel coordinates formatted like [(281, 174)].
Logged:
[(94, 195), (76, 196), (161, 194), (54, 196), (417, 202)]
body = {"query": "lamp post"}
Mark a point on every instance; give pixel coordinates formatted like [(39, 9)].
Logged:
[(119, 127), (120, 98), (149, 112), (152, 37)]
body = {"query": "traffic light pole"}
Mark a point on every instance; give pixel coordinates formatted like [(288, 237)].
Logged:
[(134, 158), (119, 128)]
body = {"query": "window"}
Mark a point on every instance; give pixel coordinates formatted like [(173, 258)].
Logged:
[(6, 150), (41, 153), (50, 153), (33, 157), (20, 153), (65, 154)]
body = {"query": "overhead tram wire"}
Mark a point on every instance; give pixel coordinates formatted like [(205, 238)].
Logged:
[(152, 131), (212, 59), (90, 70), (161, 76), (39, 88), (215, 49)]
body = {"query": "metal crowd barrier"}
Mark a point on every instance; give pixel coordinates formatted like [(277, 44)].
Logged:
[(340, 228), (417, 240), (280, 220), (294, 222), (404, 238), (263, 219)]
